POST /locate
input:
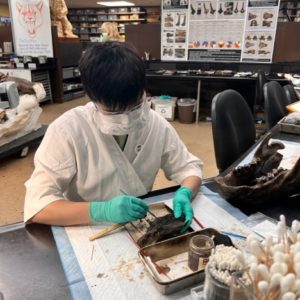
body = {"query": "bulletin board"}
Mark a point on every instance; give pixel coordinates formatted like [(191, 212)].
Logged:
[(31, 27), (219, 30)]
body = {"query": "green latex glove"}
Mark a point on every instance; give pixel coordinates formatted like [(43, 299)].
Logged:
[(182, 205), (120, 209)]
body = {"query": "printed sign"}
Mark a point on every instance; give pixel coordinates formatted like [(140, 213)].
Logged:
[(260, 31), (219, 30), (31, 27)]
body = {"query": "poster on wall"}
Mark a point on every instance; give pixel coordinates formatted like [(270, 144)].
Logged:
[(260, 31), (219, 30), (174, 29), (216, 30), (31, 26)]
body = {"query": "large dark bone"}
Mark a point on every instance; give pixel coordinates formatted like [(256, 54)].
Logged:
[(261, 180), (162, 228), (23, 85)]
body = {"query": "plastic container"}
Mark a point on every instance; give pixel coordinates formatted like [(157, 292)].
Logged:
[(214, 289), (199, 251), (164, 106), (186, 110)]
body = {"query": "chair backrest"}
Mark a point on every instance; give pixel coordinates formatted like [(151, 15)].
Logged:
[(259, 93), (290, 93), (275, 103), (233, 127)]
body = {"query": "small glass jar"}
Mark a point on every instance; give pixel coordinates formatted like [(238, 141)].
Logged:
[(199, 251)]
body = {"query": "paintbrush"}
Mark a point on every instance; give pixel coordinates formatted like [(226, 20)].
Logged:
[(116, 226)]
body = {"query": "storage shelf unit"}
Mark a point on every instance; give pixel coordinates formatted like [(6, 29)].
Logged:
[(87, 22), (72, 86), (289, 11)]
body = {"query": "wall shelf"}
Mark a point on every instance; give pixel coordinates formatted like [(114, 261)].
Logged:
[(88, 20)]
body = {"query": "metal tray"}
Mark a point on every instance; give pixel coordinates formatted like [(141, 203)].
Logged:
[(154, 257), (289, 128)]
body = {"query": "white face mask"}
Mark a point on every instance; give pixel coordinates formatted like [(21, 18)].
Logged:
[(123, 123)]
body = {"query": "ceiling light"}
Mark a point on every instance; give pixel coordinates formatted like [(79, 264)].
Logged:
[(115, 3)]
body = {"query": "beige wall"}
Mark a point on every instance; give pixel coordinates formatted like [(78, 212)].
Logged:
[(4, 12)]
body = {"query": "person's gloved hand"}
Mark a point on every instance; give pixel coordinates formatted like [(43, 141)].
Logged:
[(120, 209), (182, 205)]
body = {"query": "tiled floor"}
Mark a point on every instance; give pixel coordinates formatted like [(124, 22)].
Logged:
[(15, 171)]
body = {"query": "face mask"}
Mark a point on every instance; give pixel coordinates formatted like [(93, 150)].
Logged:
[(123, 123)]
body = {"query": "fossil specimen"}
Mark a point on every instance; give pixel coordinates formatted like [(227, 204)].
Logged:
[(160, 229), (192, 10), (206, 10), (267, 23), (212, 10), (236, 10), (263, 52), (169, 18), (251, 51), (267, 15), (262, 45), (183, 20), (262, 38), (261, 180), (248, 44), (199, 9), (292, 118), (168, 24), (242, 9), (269, 38), (220, 9), (254, 38), (167, 51), (251, 16), (24, 86), (179, 53), (178, 20), (3, 116), (253, 23)]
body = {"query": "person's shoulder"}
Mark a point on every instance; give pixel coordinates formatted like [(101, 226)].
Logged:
[(74, 118), (159, 120)]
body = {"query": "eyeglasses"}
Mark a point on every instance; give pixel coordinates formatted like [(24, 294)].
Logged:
[(132, 109)]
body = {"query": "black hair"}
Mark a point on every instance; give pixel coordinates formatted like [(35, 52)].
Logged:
[(113, 74)]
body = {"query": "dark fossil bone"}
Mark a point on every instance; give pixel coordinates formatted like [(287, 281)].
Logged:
[(24, 86), (220, 9), (160, 229), (261, 180)]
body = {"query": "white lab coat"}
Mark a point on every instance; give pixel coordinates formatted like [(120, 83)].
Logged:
[(76, 161)]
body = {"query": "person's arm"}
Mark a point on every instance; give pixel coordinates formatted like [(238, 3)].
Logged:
[(120, 209), (193, 183), (183, 197), (64, 213)]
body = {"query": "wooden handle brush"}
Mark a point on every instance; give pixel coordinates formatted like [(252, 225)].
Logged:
[(119, 225)]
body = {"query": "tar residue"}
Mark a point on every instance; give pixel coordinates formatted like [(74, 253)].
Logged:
[(160, 229)]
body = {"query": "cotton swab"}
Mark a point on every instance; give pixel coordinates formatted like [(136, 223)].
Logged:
[(288, 296), (263, 287)]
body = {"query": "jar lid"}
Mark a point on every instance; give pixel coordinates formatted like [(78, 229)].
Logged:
[(186, 101)]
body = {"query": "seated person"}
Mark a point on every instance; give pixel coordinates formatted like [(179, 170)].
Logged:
[(96, 160)]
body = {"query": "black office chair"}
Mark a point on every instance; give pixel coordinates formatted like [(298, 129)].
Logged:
[(233, 127), (275, 103), (259, 93), (290, 93)]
